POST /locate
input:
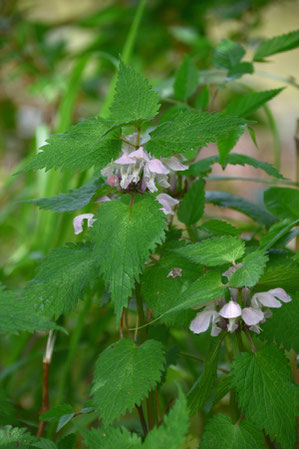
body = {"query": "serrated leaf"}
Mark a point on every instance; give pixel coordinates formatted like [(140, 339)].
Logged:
[(277, 232), (61, 279), (219, 227), (17, 315), (186, 79), (266, 392), (64, 420), (282, 202), (227, 54), (285, 276), (134, 100), (282, 327), (245, 105), (214, 251), (190, 130), (137, 370), (226, 143), (222, 433), (85, 145), (72, 200), (125, 234), (202, 388), (12, 437), (199, 293), (240, 69), (171, 434), (277, 44), (227, 200), (55, 413), (202, 100), (253, 266), (111, 438), (191, 207), (43, 443)]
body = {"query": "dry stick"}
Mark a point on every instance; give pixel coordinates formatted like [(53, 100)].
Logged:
[(46, 366)]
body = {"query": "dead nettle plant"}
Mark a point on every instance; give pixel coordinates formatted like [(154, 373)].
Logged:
[(166, 264)]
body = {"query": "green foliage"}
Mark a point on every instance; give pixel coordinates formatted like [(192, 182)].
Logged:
[(191, 207), (228, 55), (111, 438), (277, 232), (222, 433), (282, 202), (226, 143), (135, 371), (61, 279), (72, 200), (55, 413), (220, 227), (84, 146), (253, 266), (186, 80), (283, 325), (203, 98), (277, 44), (284, 275), (215, 251), (190, 130), (12, 437), (227, 200), (125, 234), (245, 105), (266, 393), (134, 100), (17, 315)]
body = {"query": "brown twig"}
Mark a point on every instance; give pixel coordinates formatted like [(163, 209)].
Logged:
[(142, 419)]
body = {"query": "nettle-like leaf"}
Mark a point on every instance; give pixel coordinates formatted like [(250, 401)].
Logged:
[(222, 433), (253, 266), (220, 227), (266, 392), (125, 234), (171, 434), (215, 251), (284, 275), (226, 143), (245, 105), (282, 327), (202, 100), (72, 200), (228, 55), (17, 315), (191, 207), (85, 145), (227, 200), (134, 100), (111, 438), (61, 279), (277, 44), (190, 130), (186, 79), (282, 202), (161, 287), (135, 370), (203, 166), (12, 437), (277, 232)]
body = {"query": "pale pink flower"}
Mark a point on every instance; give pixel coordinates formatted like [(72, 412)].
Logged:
[(167, 202), (78, 222), (203, 319), (174, 164), (252, 316)]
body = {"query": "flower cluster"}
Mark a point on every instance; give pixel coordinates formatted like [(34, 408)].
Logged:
[(230, 315)]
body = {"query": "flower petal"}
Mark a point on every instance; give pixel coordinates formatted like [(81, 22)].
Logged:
[(78, 222), (201, 322), (174, 164), (125, 159), (139, 154), (167, 202), (280, 294), (230, 310), (252, 316), (265, 299), (156, 166)]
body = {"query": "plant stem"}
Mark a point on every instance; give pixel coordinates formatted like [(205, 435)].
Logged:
[(249, 339), (142, 419), (191, 356)]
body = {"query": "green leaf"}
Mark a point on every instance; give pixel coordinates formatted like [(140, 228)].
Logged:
[(191, 207), (253, 266), (56, 413), (282, 327), (277, 44), (171, 434), (134, 100), (227, 200), (186, 80), (12, 437), (227, 54), (219, 227), (61, 279), (111, 438), (282, 202), (17, 315), (222, 433), (64, 420), (202, 388), (190, 130), (240, 69), (202, 100), (137, 370), (85, 145), (214, 251), (277, 232), (199, 293), (72, 200), (43, 443), (226, 143), (245, 105), (284, 275), (266, 393), (125, 234)]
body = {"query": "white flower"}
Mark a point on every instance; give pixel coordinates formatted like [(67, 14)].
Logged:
[(167, 202), (78, 222), (268, 299), (231, 311), (203, 319)]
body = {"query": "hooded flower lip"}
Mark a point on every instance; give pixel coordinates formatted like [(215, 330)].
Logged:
[(157, 167), (167, 202), (78, 222), (231, 310), (265, 299), (202, 322), (174, 164), (139, 154), (252, 316), (280, 294), (125, 159)]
